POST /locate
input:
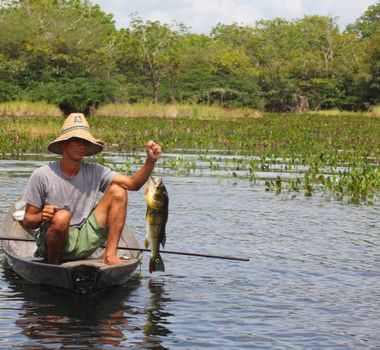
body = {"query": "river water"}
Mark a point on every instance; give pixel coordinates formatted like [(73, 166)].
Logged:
[(312, 282)]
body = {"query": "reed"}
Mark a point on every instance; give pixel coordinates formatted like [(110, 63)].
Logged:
[(375, 111), (337, 112), (29, 109), (174, 110)]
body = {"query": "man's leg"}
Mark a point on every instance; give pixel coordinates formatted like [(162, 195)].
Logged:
[(56, 235), (111, 212)]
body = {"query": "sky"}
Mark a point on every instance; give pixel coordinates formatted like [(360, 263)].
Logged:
[(200, 16)]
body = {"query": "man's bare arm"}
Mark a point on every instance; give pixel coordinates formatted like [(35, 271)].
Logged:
[(34, 216), (135, 181)]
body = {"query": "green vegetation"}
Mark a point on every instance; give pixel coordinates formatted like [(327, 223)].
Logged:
[(337, 154), (209, 95), (194, 111), (69, 53), (29, 109)]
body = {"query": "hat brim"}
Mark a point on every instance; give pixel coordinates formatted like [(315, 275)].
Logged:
[(95, 146)]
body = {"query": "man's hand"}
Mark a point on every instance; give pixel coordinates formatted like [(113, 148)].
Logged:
[(153, 150), (135, 181), (48, 212), (34, 216)]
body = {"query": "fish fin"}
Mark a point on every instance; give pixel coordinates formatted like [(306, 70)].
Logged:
[(156, 264), (163, 240), (146, 243)]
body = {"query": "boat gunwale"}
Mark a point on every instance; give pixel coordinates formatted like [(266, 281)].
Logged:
[(76, 263)]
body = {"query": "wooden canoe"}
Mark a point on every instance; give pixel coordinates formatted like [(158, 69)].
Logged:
[(80, 276)]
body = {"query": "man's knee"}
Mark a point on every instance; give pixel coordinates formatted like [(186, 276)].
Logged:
[(118, 193), (61, 221)]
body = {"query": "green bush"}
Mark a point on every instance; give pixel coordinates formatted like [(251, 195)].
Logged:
[(9, 92), (74, 95)]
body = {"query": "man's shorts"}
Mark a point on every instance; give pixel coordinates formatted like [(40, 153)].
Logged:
[(81, 242)]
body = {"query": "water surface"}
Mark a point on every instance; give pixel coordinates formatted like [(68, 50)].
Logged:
[(312, 282)]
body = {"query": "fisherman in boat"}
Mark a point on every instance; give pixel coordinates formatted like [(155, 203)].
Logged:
[(63, 197)]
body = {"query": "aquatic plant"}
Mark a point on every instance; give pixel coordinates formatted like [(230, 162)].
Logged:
[(337, 154)]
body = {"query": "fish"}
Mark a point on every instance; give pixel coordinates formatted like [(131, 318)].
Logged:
[(157, 211)]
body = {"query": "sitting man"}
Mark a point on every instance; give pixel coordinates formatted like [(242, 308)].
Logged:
[(62, 197)]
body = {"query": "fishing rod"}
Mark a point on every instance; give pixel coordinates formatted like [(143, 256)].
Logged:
[(212, 256)]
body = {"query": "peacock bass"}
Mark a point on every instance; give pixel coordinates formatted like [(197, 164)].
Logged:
[(157, 201)]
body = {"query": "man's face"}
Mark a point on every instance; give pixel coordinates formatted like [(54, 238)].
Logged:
[(75, 148)]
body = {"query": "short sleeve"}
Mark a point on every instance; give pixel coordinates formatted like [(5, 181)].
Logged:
[(35, 192), (107, 176)]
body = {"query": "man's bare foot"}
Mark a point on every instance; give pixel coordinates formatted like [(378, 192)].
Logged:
[(112, 260)]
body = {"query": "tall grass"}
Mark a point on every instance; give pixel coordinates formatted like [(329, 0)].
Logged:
[(28, 109), (334, 112), (375, 111), (175, 110)]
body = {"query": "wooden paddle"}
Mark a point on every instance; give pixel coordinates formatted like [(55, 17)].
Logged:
[(213, 256)]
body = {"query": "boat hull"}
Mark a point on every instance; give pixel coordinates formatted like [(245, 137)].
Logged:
[(80, 276)]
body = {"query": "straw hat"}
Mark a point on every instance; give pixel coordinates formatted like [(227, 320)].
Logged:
[(76, 125)]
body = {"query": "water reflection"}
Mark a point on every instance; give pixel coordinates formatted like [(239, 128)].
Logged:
[(156, 316), (50, 316), (53, 318)]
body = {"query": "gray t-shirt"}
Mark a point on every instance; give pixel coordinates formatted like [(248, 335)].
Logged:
[(48, 185)]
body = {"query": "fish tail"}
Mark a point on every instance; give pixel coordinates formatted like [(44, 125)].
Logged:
[(156, 264)]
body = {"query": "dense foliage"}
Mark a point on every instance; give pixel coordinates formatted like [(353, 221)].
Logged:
[(69, 52)]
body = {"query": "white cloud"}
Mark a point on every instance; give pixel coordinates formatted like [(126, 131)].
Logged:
[(202, 15), (346, 11), (206, 14), (288, 8), (157, 15)]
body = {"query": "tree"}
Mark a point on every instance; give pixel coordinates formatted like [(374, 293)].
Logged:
[(156, 46), (235, 66), (367, 30), (367, 24), (60, 50), (53, 40)]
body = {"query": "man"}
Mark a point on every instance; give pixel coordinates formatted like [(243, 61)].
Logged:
[(62, 197)]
